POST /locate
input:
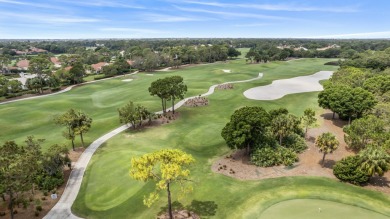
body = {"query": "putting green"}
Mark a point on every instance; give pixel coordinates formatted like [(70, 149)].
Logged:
[(314, 208)]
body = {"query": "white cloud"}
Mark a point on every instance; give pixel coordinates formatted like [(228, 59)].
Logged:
[(382, 34), (125, 29), (47, 18), (252, 25), (104, 3), (153, 17), (276, 7), (37, 5), (233, 14)]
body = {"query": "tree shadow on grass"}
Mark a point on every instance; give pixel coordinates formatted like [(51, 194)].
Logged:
[(201, 208)]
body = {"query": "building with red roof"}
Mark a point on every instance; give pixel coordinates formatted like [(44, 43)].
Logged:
[(23, 64), (98, 66), (56, 62)]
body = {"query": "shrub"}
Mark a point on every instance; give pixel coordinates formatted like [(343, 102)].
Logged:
[(50, 182), (36, 213), (38, 202), (2, 213), (268, 156), (102, 77), (25, 203), (55, 89), (289, 157), (38, 208), (348, 170), (265, 157), (335, 63), (295, 142)]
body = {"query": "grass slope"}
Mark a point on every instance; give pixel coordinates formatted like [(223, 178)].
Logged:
[(108, 191), (319, 209), (101, 100)]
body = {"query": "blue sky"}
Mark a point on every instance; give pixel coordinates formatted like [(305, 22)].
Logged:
[(79, 19)]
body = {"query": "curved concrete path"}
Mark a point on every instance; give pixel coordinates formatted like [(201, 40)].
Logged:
[(280, 88), (64, 90), (62, 210)]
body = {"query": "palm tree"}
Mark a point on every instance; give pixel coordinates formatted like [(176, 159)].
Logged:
[(376, 161), (327, 143)]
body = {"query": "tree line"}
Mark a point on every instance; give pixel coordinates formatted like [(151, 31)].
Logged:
[(26, 168), (68, 46), (359, 92)]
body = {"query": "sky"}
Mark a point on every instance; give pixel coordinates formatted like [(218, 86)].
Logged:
[(82, 19)]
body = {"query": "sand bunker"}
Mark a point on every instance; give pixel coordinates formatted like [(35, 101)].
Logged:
[(280, 88), (126, 80), (227, 70)]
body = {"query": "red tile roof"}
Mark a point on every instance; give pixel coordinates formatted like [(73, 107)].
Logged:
[(37, 50), (130, 62), (23, 63), (55, 60), (98, 66)]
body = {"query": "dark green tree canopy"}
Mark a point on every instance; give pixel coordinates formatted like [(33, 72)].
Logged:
[(160, 88), (247, 127), (348, 170), (346, 101), (169, 88), (365, 131), (77, 72)]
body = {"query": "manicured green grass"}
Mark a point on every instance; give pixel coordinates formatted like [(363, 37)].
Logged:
[(108, 191), (243, 51), (90, 77), (314, 208), (101, 100)]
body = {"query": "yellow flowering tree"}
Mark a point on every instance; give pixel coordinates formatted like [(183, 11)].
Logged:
[(165, 167)]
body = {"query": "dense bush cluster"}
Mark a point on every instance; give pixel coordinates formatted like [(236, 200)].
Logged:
[(48, 182), (295, 142), (268, 156), (24, 168), (271, 138), (348, 170)]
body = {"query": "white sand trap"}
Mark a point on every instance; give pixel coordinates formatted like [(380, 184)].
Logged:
[(280, 88), (227, 70), (126, 80), (149, 74)]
